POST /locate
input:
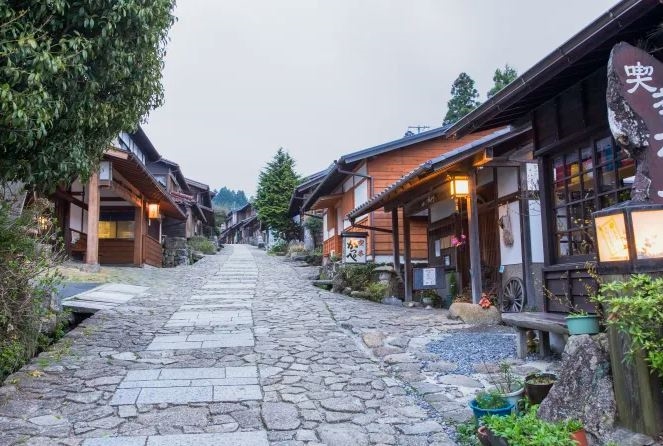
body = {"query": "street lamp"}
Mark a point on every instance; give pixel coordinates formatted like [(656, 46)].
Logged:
[(629, 237)]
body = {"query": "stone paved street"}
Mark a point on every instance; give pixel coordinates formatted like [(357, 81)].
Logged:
[(238, 349)]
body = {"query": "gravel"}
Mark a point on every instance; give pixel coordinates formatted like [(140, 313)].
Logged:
[(468, 347)]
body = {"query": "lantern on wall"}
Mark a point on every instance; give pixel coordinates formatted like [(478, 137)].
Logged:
[(629, 237), (459, 186), (153, 211), (354, 247), (105, 173)]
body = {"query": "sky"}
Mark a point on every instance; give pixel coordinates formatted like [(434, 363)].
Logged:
[(324, 78)]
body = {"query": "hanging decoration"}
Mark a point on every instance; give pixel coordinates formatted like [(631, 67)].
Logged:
[(505, 224)]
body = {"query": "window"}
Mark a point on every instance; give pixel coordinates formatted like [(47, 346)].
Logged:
[(116, 225), (586, 178)]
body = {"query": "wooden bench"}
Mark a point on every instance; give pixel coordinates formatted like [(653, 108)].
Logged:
[(542, 323)]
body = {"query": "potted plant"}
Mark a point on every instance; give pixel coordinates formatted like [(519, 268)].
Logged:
[(507, 384), (577, 432), (526, 430), (581, 322), (537, 386), (489, 403)]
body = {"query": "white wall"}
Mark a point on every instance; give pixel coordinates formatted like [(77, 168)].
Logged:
[(536, 231), (507, 181), (511, 255)]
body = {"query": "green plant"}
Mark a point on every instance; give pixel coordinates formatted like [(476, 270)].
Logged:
[(453, 285), (29, 253), (74, 75), (490, 400), (574, 425), (634, 307), (377, 291), (279, 247), (297, 248), (540, 378), (202, 244), (466, 433), (357, 277), (504, 380), (529, 430)]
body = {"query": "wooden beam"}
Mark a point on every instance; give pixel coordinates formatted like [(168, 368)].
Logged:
[(473, 236), (92, 249), (407, 276), (395, 241), (138, 235), (126, 194)]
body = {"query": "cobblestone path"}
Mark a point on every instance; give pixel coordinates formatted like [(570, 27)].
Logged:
[(236, 350)]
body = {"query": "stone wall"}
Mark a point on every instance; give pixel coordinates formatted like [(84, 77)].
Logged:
[(176, 252)]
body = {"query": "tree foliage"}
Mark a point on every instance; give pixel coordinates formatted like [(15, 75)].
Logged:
[(229, 199), (502, 78), (275, 185), (464, 99), (73, 74)]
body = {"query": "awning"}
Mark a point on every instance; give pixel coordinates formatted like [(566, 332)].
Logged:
[(135, 172), (326, 201)]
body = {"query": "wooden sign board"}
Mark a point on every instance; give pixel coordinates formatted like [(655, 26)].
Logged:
[(635, 81)]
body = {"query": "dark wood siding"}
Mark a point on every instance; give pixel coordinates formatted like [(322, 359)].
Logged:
[(116, 251)]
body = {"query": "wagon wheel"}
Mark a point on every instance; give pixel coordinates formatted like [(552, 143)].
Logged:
[(513, 296)]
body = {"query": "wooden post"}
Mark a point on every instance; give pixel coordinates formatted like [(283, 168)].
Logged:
[(93, 204), (408, 258), (396, 241), (473, 236), (138, 234)]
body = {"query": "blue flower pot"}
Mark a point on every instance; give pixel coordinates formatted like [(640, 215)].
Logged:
[(585, 324), (479, 413)]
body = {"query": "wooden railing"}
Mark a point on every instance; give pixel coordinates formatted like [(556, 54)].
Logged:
[(152, 252), (332, 244), (80, 245)]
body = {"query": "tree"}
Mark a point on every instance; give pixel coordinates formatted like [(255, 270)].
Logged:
[(464, 99), (275, 185), (73, 74), (502, 78), (229, 199)]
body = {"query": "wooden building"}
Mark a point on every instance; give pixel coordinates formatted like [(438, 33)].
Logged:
[(192, 196), (356, 177), (115, 217), (299, 195), (242, 226), (483, 227)]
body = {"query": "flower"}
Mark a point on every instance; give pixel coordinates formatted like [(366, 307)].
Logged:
[(485, 301), (458, 241)]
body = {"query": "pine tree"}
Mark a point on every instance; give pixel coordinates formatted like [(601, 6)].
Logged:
[(464, 99), (502, 78), (275, 185)]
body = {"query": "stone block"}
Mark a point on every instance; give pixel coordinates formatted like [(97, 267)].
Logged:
[(474, 314)]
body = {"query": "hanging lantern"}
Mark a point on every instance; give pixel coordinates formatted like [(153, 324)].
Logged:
[(153, 211), (460, 186)]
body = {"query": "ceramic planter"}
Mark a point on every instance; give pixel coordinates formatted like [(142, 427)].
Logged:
[(582, 324), (514, 397), (479, 413), (580, 437), (537, 392)]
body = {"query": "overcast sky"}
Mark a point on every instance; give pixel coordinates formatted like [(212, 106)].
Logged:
[(324, 78)]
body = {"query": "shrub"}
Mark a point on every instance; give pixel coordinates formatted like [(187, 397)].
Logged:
[(202, 244), (279, 247), (357, 277), (377, 291), (295, 248), (29, 253), (528, 430), (634, 307)]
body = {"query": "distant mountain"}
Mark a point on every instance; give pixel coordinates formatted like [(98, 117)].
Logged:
[(229, 199)]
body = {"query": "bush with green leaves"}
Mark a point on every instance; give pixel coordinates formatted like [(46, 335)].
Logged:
[(635, 307), (357, 277), (279, 247), (74, 74), (28, 257), (529, 430), (377, 291), (202, 244)]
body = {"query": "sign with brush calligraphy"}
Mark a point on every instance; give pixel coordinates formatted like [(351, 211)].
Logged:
[(635, 113)]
